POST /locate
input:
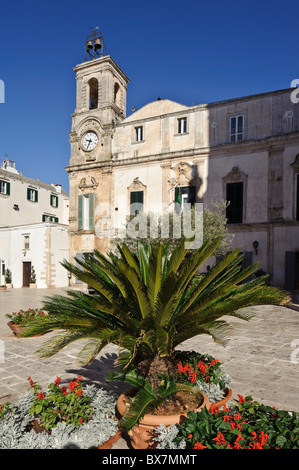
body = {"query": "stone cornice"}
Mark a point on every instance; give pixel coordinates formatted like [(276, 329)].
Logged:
[(250, 146)]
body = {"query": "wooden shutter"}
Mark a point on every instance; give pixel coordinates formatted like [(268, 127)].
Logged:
[(290, 257), (43, 218), (80, 212), (56, 219), (28, 194), (91, 211), (36, 196), (8, 188)]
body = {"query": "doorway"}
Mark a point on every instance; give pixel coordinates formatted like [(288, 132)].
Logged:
[(26, 273)]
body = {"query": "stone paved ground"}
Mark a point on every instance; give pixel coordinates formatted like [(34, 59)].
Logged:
[(261, 356)]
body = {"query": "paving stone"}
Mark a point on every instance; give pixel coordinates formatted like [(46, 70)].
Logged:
[(258, 356)]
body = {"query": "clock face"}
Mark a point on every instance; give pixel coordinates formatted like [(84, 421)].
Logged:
[(90, 141)]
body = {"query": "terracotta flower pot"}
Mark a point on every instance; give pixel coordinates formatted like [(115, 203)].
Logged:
[(108, 444), (17, 329), (227, 395), (142, 435)]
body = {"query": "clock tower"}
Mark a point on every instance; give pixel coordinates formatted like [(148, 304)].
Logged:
[(100, 103)]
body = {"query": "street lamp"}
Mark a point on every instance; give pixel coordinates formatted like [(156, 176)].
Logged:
[(255, 246)]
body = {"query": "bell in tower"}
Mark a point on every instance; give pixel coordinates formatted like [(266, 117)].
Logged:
[(94, 45)]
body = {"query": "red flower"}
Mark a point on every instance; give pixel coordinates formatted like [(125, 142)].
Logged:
[(214, 409), (198, 445), (80, 420), (64, 390), (190, 436), (57, 381), (72, 386), (241, 399), (263, 438), (212, 363), (30, 382), (193, 377), (202, 367), (41, 396), (220, 439), (79, 393), (237, 445)]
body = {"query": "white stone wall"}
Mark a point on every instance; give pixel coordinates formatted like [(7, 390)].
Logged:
[(28, 212), (48, 247)]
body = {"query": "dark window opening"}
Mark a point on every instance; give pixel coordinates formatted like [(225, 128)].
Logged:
[(234, 195), (93, 93), (297, 202), (136, 202)]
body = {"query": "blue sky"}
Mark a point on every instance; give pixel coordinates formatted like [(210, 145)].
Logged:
[(189, 51)]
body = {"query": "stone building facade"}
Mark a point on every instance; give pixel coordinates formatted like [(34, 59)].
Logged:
[(245, 150), (33, 229)]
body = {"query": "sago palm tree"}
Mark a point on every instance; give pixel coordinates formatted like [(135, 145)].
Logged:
[(147, 304)]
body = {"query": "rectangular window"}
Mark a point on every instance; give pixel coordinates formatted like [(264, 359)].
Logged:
[(4, 187), (138, 134), (297, 206), (234, 195), (49, 218), (184, 195), (236, 128), (182, 125), (26, 242), (32, 195), (53, 200), (86, 212), (136, 202)]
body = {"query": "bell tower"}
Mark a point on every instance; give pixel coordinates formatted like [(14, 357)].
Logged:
[(101, 98), (101, 89)]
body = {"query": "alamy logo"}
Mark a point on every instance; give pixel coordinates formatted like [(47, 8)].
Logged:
[(294, 94), (2, 92)]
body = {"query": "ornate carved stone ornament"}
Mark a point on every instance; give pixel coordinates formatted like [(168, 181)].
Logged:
[(235, 175), (92, 185), (136, 185), (183, 175)]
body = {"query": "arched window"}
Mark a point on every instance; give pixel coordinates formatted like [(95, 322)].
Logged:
[(117, 94), (93, 93)]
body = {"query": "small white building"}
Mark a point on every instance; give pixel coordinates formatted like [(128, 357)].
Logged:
[(33, 229)]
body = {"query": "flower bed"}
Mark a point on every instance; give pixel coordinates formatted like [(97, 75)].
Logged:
[(244, 425), (203, 371), (18, 317), (63, 417)]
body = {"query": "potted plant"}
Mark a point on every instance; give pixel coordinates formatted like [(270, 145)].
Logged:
[(206, 373), (3, 287), (8, 279), (148, 304), (16, 319), (246, 424), (73, 415), (32, 282)]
